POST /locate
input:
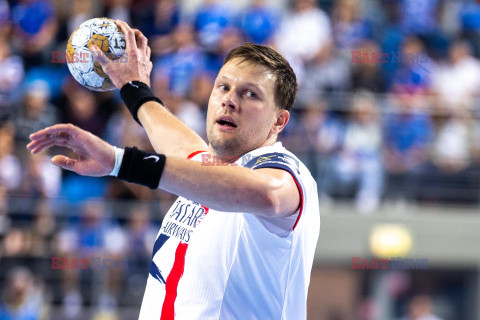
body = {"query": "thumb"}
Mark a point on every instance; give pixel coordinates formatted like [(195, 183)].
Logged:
[(64, 162), (99, 56)]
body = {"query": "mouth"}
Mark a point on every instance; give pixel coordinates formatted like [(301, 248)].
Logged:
[(226, 122)]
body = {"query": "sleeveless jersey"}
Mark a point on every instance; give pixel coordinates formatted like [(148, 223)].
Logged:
[(208, 264)]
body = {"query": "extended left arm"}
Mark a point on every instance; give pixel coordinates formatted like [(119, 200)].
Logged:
[(266, 192)]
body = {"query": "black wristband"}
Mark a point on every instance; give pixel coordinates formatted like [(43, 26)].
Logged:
[(136, 93), (142, 167)]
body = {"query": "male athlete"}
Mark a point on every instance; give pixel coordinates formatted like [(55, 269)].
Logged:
[(239, 241)]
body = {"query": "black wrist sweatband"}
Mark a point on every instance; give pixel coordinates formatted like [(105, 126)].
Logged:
[(136, 93), (142, 167)]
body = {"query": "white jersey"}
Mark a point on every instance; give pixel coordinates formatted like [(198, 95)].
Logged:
[(208, 264)]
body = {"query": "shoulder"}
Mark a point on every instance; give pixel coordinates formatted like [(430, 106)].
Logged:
[(274, 154), (276, 157)]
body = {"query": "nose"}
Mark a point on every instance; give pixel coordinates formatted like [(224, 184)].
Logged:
[(230, 100)]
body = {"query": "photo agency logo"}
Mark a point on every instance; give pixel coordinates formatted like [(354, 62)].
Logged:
[(359, 56), (388, 264), (84, 57), (248, 160), (88, 263)]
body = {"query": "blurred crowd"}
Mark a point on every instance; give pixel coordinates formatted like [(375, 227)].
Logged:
[(387, 109)]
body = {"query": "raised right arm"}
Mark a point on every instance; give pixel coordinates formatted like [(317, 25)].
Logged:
[(167, 134)]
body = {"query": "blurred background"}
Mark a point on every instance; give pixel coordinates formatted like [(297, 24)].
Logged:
[(387, 120)]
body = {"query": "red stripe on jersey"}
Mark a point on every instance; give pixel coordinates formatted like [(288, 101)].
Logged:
[(193, 154), (301, 200), (171, 285)]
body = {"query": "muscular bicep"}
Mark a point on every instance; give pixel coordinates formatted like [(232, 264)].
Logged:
[(284, 190)]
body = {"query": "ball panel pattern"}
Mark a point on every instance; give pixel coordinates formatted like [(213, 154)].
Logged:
[(105, 34)]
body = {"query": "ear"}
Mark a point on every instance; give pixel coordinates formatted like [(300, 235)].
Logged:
[(282, 119)]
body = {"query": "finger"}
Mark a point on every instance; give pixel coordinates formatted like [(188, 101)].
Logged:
[(142, 42), (129, 35), (64, 162), (47, 139), (33, 144), (61, 135), (40, 134), (55, 130), (99, 56), (49, 143)]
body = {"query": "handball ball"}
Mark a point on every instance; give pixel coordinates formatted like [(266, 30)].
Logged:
[(105, 34)]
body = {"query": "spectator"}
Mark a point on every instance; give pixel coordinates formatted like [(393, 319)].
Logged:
[(191, 114), (35, 27), (43, 230), (349, 30), (35, 112), (10, 171), (329, 73), (420, 308), (141, 234), (414, 66), (230, 38), (117, 9), (200, 91), (81, 107), (210, 20), (91, 229), (40, 178), (259, 22), (180, 67), (303, 35), (22, 298), (368, 75), (16, 244), (456, 84), (159, 31), (407, 138), (419, 17), (359, 158), (469, 14), (453, 143), (452, 176), (11, 75), (5, 222), (123, 131), (82, 11), (85, 109), (4, 21), (319, 136), (94, 237)]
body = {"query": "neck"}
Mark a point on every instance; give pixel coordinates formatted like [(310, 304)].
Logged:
[(230, 157)]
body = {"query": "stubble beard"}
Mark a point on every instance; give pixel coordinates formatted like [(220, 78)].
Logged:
[(224, 147)]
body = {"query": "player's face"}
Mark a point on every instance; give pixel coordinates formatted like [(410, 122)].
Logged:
[(241, 109)]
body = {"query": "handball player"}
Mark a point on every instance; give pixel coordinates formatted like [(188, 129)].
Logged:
[(239, 241)]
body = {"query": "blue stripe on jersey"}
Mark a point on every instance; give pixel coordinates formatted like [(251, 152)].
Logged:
[(275, 160), (154, 271)]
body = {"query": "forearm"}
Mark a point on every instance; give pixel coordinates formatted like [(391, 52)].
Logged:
[(226, 188), (167, 134)]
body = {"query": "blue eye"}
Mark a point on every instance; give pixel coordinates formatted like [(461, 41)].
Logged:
[(250, 94), (223, 87)]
